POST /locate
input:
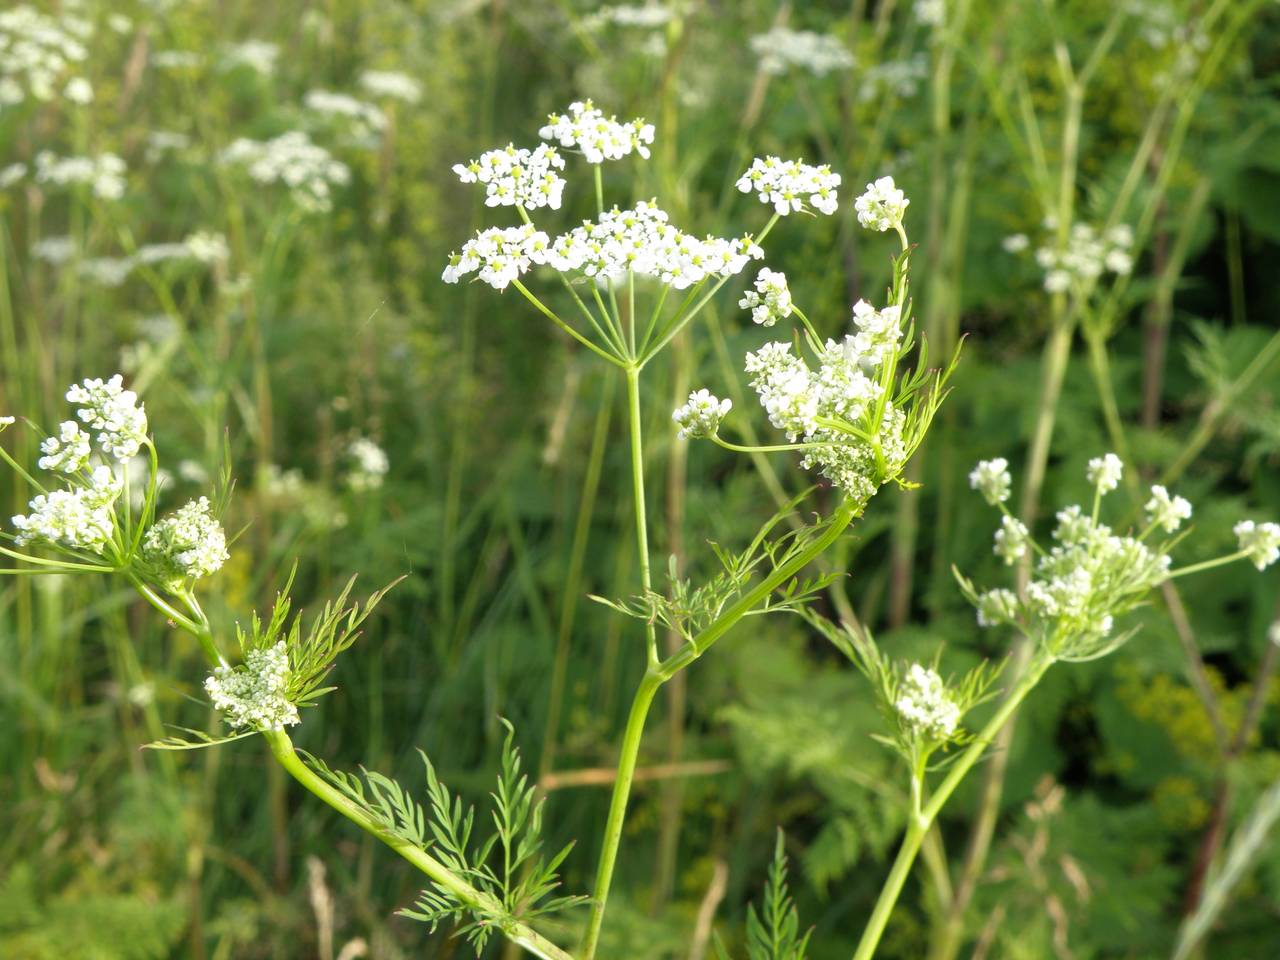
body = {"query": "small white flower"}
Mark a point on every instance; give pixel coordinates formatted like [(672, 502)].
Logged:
[(393, 86), (517, 177), (1012, 540), (600, 138), (1015, 243), (500, 254), (364, 118), (925, 705), (79, 91), (104, 174), (307, 169), (996, 607), (1261, 541), (257, 55), (701, 416), (7, 422), (68, 452), (79, 519), (1104, 472), (770, 301), (992, 479), (782, 48), (882, 206), (187, 544), (371, 464), (788, 185), (207, 247), (254, 694), (12, 174), (932, 13), (1165, 511), (113, 411)]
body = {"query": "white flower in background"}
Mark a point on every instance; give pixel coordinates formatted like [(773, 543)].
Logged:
[(1011, 540), (701, 416), (371, 465), (187, 544), (642, 241), (992, 479), (1086, 257), (781, 48), (177, 59), (119, 23), (500, 254), (308, 170), (37, 50), (600, 138), (107, 271), (901, 78), (256, 55), (788, 184), (882, 206), (12, 174), (364, 118), (1165, 511), (68, 452), (207, 247), (54, 250), (391, 85), (78, 91), (7, 422), (925, 705), (648, 17), (254, 694), (770, 301), (160, 142), (996, 607), (517, 177), (113, 411), (78, 519), (1261, 541), (1105, 472), (1016, 242), (932, 13), (103, 174)]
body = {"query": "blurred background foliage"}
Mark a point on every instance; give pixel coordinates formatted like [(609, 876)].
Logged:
[(507, 501)]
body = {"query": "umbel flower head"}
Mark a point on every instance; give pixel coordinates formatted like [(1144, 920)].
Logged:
[(770, 301), (701, 416), (1260, 542), (254, 693), (114, 412), (517, 177), (68, 452), (925, 705), (500, 254), (186, 545), (1090, 575), (991, 478), (81, 518), (787, 184), (600, 138), (882, 206)]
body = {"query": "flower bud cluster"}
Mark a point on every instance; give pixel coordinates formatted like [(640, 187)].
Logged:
[(68, 452), (77, 519), (600, 138), (701, 416), (882, 206), (114, 412), (517, 177), (788, 184), (255, 693), (370, 465), (1260, 541), (925, 706), (991, 478)]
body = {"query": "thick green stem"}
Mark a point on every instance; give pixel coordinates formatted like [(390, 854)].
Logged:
[(921, 822), (630, 751), (520, 933)]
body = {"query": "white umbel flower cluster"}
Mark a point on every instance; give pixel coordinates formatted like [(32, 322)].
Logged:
[(391, 85), (517, 177), (882, 206), (256, 55), (370, 465), (790, 185), (114, 412), (68, 452), (254, 694), (845, 387), (925, 706), (992, 479), (770, 301), (701, 416), (1261, 541), (600, 138), (996, 607), (1012, 540), (364, 119), (36, 51), (104, 174), (77, 519), (1087, 255), (781, 49), (188, 544), (500, 254), (643, 241), (1105, 472), (307, 169), (1165, 511)]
